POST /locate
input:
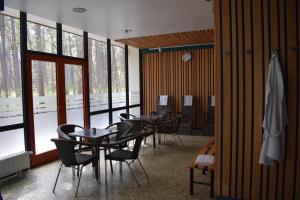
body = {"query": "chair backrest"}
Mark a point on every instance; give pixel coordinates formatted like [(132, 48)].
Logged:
[(177, 122), (138, 142), (211, 109), (65, 129), (65, 148), (164, 110), (189, 112), (125, 116), (123, 127), (137, 125)]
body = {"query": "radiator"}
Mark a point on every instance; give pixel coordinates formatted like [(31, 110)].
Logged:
[(13, 164)]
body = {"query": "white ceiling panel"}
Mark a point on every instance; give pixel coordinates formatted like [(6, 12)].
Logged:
[(107, 18)]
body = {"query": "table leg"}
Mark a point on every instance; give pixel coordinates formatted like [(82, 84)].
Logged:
[(191, 181), (212, 181), (154, 142), (99, 176), (120, 166)]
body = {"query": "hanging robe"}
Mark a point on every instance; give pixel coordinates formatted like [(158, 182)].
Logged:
[(276, 117)]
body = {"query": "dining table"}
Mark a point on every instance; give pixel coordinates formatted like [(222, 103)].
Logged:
[(152, 120), (95, 136)]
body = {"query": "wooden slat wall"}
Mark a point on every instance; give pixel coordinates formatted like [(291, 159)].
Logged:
[(245, 33), (166, 74), (172, 39)]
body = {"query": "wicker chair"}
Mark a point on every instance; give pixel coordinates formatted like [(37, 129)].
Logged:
[(124, 155), (189, 116), (70, 158)]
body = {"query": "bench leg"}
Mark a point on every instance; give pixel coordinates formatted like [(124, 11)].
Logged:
[(212, 184), (191, 181)]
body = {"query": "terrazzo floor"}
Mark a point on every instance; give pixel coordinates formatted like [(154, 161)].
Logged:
[(166, 167)]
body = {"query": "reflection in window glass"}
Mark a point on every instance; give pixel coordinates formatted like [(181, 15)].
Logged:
[(72, 44), (74, 94), (100, 121), (41, 38), (44, 105), (10, 72), (7, 147), (115, 115), (136, 111), (134, 75), (98, 75), (118, 76)]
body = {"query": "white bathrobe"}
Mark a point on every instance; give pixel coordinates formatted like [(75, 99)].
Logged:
[(276, 117)]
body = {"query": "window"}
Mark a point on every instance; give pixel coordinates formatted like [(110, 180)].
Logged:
[(74, 94), (136, 111), (100, 121), (72, 44), (118, 76), (134, 75), (41, 38), (11, 108), (115, 115), (98, 75), (9, 148)]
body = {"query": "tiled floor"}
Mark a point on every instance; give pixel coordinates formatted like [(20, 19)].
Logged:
[(166, 166)]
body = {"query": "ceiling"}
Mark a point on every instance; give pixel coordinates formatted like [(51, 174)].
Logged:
[(108, 18), (173, 39)]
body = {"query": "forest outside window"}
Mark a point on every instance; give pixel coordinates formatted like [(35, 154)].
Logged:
[(41, 38), (11, 108), (72, 44), (118, 76), (98, 75)]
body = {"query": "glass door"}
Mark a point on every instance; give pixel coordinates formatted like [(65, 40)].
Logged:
[(56, 95), (74, 94), (44, 94)]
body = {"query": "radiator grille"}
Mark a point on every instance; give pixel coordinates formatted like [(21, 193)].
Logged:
[(15, 163)]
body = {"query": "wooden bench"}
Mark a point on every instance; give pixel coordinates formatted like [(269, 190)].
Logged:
[(208, 149)]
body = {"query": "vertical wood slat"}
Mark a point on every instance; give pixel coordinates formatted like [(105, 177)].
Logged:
[(261, 26), (166, 74)]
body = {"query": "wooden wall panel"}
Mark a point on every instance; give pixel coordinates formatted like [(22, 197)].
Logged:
[(166, 74), (246, 31), (172, 39)]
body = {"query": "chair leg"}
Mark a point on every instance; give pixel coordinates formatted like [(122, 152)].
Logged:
[(73, 172), (133, 175), (78, 181), (111, 165), (106, 171), (57, 178), (143, 169), (180, 139)]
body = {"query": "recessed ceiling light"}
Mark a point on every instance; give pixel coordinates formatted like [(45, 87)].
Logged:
[(126, 31), (79, 10)]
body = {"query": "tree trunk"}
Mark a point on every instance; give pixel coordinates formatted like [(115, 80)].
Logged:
[(4, 69), (40, 66), (15, 59)]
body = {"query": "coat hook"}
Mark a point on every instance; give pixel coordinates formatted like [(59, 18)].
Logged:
[(275, 50)]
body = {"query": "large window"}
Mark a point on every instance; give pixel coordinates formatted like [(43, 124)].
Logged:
[(11, 111), (134, 75), (118, 76), (72, 44), (98, 75), (41, 38)]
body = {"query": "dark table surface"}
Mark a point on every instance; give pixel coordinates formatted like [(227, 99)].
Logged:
[(149, 117), (93, 134)]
